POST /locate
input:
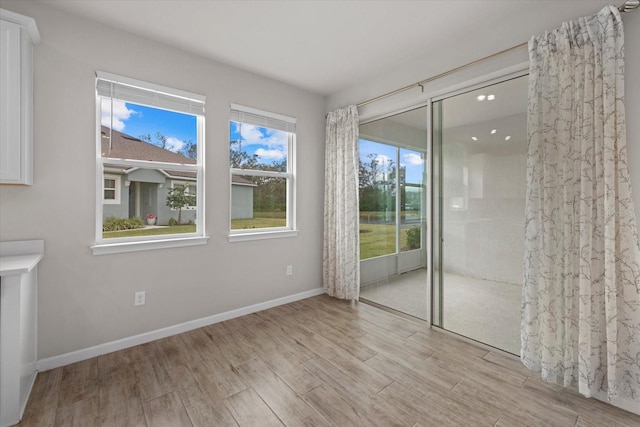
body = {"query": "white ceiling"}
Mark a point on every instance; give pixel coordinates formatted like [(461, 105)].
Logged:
[(326, 46)]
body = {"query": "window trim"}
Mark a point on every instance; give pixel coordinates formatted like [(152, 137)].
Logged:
[(186, 103), (117, 189), (285, 124)]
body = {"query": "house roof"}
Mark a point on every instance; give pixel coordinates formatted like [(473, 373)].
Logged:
[(125, 146), (242, 181)]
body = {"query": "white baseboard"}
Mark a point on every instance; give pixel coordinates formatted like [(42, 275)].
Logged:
[(109, 347)]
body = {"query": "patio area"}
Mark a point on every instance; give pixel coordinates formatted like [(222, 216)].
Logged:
[(483, 310)]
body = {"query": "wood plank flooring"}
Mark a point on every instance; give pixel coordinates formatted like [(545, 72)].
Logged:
[(315, 362)]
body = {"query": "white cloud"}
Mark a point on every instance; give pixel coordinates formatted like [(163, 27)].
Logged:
[(383, 160), (252, 135), (120, 114), (271, 154), (174, 144), (413, 159)]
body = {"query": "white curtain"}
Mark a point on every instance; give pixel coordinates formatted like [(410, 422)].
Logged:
[(341, 255), (581, 297)]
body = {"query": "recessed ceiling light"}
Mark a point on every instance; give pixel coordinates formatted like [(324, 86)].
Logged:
[(474, 138), (491, 97), (481, 97), (493, 131), (508, 137)]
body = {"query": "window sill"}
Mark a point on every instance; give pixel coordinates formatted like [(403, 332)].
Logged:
[(243, 237), (116, 248)]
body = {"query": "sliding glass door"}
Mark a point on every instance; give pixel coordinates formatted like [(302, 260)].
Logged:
[(393, 228), (479, 140)]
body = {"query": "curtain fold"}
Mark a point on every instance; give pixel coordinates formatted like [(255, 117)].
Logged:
[(581, 293), (341, 251)]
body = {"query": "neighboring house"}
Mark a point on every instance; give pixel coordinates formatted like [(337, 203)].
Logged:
[(138, 192), (241, 197)]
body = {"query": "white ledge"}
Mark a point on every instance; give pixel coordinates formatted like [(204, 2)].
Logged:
[(260, 235), (18, 264), (121, 247)]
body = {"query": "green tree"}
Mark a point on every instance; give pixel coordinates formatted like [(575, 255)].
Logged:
[(179, 197), (190, 149), (161, 140), (270, 193), (376, 184)]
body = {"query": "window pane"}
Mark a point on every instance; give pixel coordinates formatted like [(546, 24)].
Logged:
[(109, 194), (258, 202), (411, 191), (377, 177), (152, 202), (258, 148), (138, 132)]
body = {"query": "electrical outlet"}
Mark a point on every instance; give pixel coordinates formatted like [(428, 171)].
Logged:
[(289, 270), (139, 298)]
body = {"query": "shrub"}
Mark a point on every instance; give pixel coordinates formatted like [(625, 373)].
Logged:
[(413, 238), (113, 223), (172, 222)]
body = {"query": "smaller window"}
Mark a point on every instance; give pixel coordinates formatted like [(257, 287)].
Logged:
[(262, 174), (111, 188)]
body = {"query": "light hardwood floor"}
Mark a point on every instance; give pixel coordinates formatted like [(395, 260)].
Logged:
[(318, 361)]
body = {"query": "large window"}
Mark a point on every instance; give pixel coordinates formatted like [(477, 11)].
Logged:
[(261, 146), (388, 223), (149, 166)]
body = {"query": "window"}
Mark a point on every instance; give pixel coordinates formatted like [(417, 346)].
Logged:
[(111, 193), (261, 147), (390, 224), (184, 193), (149, 166)]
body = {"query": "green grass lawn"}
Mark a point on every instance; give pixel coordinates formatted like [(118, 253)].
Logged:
[(261, 220), (375, 239), (176, 229), (380, 239)]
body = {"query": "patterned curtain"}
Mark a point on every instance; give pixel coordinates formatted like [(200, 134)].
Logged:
[(581, 296), (341, 255)]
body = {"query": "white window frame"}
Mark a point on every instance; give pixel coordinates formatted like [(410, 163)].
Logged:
[(117, 188), (175, 182), (249, 115), (161, 97)]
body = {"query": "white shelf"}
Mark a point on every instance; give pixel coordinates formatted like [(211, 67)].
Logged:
[(18, 325), (18, 264)]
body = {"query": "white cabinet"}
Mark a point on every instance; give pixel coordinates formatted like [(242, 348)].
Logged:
[(18, 325), (18, 34)]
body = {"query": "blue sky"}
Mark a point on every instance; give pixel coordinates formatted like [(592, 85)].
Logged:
[(412, 160), (136, 120), (269, 145)]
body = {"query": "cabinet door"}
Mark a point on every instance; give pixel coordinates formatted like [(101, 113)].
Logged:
[(11, 150)]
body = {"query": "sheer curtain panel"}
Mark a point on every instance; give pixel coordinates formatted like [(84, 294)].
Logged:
[(581, 298), (341, 252)]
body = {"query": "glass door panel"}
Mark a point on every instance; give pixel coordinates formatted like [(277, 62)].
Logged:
[(392, 174), (480, 192)]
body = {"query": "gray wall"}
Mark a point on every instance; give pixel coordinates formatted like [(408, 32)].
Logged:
[(86, 300), (513, 32)]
